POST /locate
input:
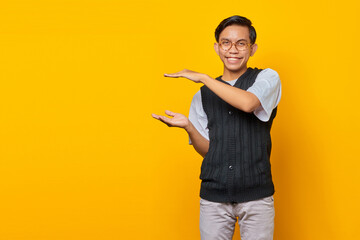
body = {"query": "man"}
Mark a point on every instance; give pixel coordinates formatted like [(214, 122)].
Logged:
[(229, 125)]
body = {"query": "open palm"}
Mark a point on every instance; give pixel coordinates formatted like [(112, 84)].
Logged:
[(177, 120)]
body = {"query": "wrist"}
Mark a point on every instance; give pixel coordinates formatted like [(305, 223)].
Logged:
[(189, 127), (205, 79)]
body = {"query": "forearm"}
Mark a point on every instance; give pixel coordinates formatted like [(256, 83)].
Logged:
[(236, 97), (200, 144)]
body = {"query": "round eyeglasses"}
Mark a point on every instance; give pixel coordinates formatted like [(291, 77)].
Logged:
[(240, 45)]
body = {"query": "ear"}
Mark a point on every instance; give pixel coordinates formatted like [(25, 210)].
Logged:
[(253, 49), (216, 47)]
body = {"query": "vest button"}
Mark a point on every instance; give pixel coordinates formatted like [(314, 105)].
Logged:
[(231, 167), (230, 112)]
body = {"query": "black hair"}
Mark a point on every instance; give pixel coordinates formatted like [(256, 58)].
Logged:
[(236, 20)]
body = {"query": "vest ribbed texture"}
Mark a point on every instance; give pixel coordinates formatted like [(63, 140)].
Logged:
[(237, 165)]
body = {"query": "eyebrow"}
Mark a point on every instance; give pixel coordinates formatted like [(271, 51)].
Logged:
[(230, 40)]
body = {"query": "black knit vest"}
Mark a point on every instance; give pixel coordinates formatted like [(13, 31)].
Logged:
[(237, 166)]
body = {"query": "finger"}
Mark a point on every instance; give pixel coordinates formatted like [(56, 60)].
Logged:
[(155, 116), (165, 120), (177, 74), (170, 113), (162, 119), (174, 75)]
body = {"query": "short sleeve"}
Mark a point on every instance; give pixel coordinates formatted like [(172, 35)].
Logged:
[(198, 117), (267, 88)]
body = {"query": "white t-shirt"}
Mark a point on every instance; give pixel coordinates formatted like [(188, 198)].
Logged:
[(267, 88)]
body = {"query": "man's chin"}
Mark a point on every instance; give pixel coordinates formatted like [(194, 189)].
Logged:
[(235, 69)]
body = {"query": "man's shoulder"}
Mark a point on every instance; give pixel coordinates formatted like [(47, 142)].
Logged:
[(196, 98), (197, 94), (268, 72), (268, 75)]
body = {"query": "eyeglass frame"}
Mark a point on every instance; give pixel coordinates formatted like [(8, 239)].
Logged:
[(234, 43)]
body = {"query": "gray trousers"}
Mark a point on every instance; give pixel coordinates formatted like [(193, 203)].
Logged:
[(256, 219)]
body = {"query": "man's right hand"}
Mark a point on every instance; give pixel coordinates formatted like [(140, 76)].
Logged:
[(200, 143), (177, 120)]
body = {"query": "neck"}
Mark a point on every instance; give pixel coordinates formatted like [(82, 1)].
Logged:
[(229, 75)]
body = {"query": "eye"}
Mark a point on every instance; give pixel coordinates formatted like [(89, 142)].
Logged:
[(241, 43), (225, 43)]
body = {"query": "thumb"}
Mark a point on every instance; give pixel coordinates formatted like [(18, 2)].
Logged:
[(170, 113)]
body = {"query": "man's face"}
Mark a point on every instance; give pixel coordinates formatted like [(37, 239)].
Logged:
[(235, 60)]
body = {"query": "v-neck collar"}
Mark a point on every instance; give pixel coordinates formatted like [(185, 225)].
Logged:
[(244, 75)]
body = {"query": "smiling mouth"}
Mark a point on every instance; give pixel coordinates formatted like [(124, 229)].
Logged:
[(233, 59)]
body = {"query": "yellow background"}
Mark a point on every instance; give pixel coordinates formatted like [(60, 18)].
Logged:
[(81, 157)]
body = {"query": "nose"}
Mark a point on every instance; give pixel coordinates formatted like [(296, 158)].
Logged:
[(233, 48)]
